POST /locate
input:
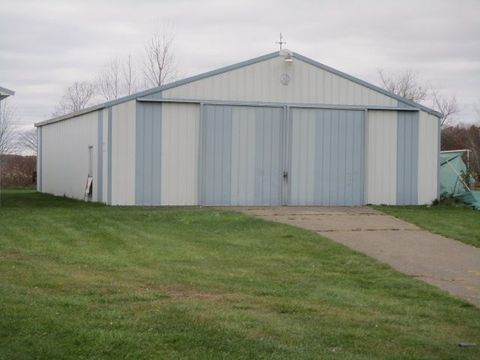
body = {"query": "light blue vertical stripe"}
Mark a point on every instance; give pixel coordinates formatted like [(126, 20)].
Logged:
[(349, 155), (100, 156), (276, 168), (268, 156), (338, 157), (148, 154), (200, 159), (407, 158), (289, 136), (259, 173), (359, 168), (226, 153), (217, 153), (365, 155), (341, 153), (286, 155)]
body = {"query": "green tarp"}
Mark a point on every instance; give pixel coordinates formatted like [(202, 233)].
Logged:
[(452, 171)]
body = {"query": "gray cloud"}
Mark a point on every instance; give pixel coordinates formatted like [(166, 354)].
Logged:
[(45, 46)]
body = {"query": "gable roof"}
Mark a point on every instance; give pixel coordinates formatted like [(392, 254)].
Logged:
[(234, 67)]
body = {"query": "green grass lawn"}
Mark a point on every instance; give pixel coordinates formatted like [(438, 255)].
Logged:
[(86, 281), (454, 221)]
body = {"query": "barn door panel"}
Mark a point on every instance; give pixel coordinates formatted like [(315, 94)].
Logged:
[(327, 157), (241, 155)]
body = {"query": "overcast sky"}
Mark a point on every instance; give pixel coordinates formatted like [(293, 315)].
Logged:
[(47, 45)]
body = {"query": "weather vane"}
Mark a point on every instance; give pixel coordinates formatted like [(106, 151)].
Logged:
[(281, 42)]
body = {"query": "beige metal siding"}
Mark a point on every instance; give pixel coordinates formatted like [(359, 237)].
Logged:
[(427, 158), (123, 153), (180, 123), (382, 157), (261, 82), (65, 156)]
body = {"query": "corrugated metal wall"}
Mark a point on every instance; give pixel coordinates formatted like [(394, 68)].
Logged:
[(382, 157), (166, 154), (241, 155), (148, 154), (428, 146), (327, 164), (123, 153), (65, 156), (261, 82), (103, 163), (180, 153), (407, 158)]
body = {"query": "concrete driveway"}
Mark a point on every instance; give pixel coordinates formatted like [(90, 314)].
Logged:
[(445, 263)]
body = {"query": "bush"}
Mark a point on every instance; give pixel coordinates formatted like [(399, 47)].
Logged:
[(17, 171)]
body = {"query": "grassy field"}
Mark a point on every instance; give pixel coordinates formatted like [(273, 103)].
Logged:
[(85, 281), (453, 221)]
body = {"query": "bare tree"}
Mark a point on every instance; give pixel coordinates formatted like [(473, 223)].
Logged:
[(405, 85), (129, 77), (117, 79), (77, 97), (109, 81), (27, 140), (447, 106), (159, 65), (8, 144)]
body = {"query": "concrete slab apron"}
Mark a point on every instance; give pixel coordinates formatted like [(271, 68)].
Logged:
[(442, 262)]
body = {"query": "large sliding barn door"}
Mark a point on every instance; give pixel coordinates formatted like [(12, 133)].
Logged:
[(241, 155), (327, 157)]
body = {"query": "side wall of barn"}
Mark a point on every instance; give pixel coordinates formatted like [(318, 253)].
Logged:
[(100, 143), (67, 154)]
